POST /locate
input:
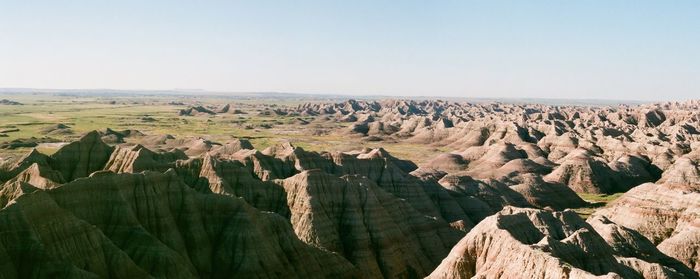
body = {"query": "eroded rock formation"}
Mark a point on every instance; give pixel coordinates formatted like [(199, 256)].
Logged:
[(123, 204), (530, 243)]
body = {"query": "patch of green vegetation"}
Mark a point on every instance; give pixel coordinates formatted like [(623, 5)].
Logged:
[(596, 201), (599, 198)]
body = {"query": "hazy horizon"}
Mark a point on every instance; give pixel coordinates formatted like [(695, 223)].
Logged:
[(622, 50), (10, 92)]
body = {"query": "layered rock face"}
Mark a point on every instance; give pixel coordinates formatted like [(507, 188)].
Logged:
[(535, 150), (129, 211), (75, 160), (638, 252), (79, 159), (11, 169), (529, 243), (40, 176), (151, 224), (236, 170), (668, 215), (367, 208), (232, 178), (139, 158), (543, 194), (383, 235), (590, 149)]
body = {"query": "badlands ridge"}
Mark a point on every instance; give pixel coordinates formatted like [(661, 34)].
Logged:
[(127, 204)]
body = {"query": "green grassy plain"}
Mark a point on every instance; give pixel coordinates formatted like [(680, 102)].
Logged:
[(83, 114)]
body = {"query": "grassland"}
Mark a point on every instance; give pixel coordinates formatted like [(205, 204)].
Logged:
[(86, 113), (596, 201)]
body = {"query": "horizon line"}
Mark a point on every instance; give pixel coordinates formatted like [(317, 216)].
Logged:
[(194, 91)]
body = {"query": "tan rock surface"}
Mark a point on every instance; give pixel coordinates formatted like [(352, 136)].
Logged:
[(530, 243), (666, 214)]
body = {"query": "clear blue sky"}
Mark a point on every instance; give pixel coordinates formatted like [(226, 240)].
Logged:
[(611, 49)]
